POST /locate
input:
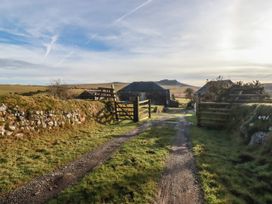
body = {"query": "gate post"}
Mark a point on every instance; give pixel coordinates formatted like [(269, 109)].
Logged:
[(113, 95), (136, 110), (116, 110), (198, 112), (149, 108)]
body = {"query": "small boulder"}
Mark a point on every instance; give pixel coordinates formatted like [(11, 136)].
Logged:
[(50, 123), (258, 138), (2, 130), (38, 122), (3, 108), (69, 115), (8, 133), (11, 127), (44, 125), (19, 135)]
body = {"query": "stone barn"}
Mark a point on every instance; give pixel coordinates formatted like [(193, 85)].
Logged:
[(212, 90), (145, 90)]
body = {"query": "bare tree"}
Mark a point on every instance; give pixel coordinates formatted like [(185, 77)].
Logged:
[(58, 89)]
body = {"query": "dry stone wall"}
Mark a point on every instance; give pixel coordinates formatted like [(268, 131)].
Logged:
[(18, 121)]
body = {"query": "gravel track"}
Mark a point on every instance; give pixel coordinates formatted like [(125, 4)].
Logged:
[(179, 184)]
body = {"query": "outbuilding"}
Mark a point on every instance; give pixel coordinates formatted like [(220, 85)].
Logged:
[(212, 90), (87, 94), (145, 90)]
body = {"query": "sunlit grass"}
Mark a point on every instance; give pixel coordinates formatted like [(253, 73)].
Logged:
[(23, 159), (230, 171), (130, 176)]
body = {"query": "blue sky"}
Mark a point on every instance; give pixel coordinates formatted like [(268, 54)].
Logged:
[(90, 41)]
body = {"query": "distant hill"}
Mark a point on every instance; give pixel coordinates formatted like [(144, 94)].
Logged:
[(168, 82), (174, 86)]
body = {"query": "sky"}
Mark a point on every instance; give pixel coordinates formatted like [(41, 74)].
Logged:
[(91, 41)]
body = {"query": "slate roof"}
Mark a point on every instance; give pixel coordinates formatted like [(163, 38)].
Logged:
[(86, 94), (142, 86)]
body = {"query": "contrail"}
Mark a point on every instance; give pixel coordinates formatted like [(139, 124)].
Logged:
[(132, 11), (115, 22), (50, 45), (65, 58)]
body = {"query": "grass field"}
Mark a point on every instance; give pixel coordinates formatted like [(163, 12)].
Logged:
[(230, 171), (178, 91), (117, 85), (76, 89), (7, 89), (23, 159), (130, 176)]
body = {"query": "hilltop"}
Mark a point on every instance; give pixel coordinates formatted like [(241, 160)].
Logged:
[(169, 82)]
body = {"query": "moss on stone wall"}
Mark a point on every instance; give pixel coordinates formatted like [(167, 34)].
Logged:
[(251, 118), (22, 114)]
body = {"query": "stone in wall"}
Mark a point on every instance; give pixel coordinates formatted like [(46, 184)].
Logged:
[(16, 122), (258, 138)]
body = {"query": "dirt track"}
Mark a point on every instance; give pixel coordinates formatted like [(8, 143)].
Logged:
[(45, 187), (179, 184)]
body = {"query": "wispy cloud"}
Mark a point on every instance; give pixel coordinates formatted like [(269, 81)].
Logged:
[(62, 60), (132, 11), (50, 45), (96, 40)]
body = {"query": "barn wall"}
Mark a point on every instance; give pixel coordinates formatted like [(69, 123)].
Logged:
[(157, 98)]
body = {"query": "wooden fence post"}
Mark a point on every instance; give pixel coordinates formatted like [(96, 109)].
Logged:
[(198, 112), (116, 110), (114, 102), (149, 108), (136, 117)]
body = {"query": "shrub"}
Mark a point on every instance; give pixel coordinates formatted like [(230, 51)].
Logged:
[(58, 89)]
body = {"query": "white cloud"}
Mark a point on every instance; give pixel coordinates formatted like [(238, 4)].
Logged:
[(188, 40)]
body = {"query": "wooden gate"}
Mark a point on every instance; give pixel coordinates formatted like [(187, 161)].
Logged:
[(136, 111), (124, 110), (213, 114), (144, 109)]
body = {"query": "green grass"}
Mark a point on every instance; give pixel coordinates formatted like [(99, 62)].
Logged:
[(229, 170), (130, 176), (23, 159), (183, 102)]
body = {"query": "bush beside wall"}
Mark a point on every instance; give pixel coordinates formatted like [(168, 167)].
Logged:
[(251, 118)]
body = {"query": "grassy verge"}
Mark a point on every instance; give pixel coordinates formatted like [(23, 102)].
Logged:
[(130, 176), (183, 102), (230, 171), (23, 159)]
